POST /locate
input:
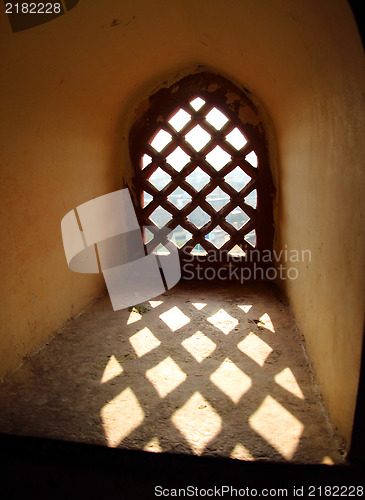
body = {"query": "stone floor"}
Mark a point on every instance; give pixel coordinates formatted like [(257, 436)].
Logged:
[(203, 369)]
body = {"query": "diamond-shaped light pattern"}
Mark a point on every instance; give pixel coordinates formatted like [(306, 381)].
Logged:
[(198, 217), (265, 321), (143, 342), (179, 198), (114, 368), (199, 305), (237, 251), (251, 238), (133, 317), (178, 159), (197, 103), (179, 120), (218, 158), (161, 250), (217, 198), (146, 160), (198, 179), (147, 198), (252, 158), (238, 179), (255, 348), (154, 446), (155, 303), (199, 346), (179, 236), (160, 217), (174, 318), (148, 236), (287, 381), (198, 250), (124, 408), (198, 422), (216, 118), (159, 178), (239, 452), (197, 137), (270, 419), (165, 376), (237, 218), (161, 139), (223, 321), (251, 199), (231, 380), (217, 237), (236, 139)]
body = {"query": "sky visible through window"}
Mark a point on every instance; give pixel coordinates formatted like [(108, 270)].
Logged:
[(218, 158)]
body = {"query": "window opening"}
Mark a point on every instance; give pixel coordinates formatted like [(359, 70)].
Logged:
[(202, 171)]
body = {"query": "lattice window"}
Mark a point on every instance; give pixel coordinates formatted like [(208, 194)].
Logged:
[(202, 172)]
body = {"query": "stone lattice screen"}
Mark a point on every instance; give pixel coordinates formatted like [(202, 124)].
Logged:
[(201, 171)]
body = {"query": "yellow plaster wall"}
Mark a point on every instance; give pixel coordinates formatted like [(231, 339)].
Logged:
[(69, 93)]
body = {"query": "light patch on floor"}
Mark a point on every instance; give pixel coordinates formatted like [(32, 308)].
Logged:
[(231, 380), (223, 321), (204, 369), (265, 322), (198, 422), (255, 348), (165, 376), (277, 426), (288, 382), (112, 370), (133, 317), (199, 346), (245, 308), (144, 341), (240, 452), (121, 416), (174, 318), (153, 445), (199, 305), (155, 303)]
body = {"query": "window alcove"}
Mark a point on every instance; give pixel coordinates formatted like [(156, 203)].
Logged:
[(202, 173)]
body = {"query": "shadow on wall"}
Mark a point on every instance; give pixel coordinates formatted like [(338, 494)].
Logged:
[(198, 371)]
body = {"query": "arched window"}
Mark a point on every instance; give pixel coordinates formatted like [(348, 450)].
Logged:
[(201, 171)]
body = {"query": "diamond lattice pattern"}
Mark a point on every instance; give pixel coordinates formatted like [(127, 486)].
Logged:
[(200, 143)]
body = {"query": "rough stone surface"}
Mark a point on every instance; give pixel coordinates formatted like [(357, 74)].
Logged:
[(208, 369)]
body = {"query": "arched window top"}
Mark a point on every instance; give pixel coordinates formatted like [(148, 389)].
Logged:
[(201, 167)]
